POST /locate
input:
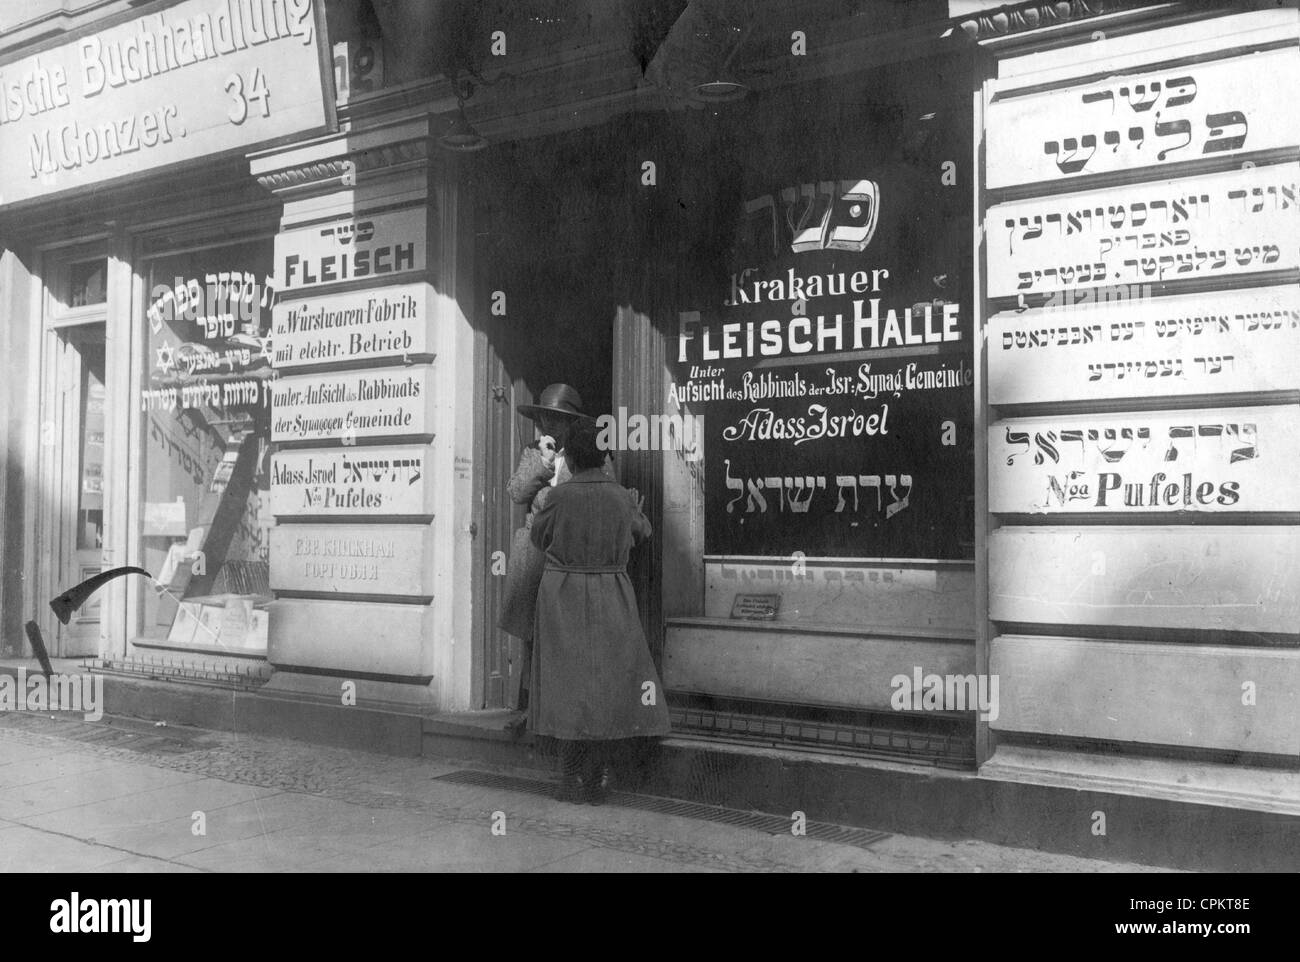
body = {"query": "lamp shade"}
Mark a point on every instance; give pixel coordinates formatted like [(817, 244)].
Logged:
[(461, 135)]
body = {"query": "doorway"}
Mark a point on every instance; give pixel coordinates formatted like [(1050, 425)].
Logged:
[(74, 399)]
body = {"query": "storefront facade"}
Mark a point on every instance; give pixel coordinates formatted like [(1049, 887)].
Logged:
[(281, 372)]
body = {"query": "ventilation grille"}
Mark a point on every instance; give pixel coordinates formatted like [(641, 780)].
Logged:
[(199, 671), (771, 824), (940, 748)]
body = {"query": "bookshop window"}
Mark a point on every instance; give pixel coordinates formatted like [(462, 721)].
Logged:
[(206, 437)]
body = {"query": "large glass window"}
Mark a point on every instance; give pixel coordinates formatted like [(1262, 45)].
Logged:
[(822, 360), (206, 431)]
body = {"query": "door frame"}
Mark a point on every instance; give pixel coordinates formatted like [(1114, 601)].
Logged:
[(52, 505), (499, 653), (81, 636)]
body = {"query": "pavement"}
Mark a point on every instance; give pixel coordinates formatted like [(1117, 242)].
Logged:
[(125, 795)]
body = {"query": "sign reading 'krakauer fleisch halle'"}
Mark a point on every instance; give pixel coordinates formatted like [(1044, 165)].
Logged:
[(180, 82)]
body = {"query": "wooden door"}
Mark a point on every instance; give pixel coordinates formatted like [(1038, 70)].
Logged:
[(503, 652), (70, 518), (82, 527), (638, 361)]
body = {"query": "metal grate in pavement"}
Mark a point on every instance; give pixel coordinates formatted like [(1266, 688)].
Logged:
[(772, 824)]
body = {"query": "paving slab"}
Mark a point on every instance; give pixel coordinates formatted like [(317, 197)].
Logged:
[(100, 784), (36, 850), (290, 851), (602, 860), (470, 846), (158, 822), (14, 752), (140, 865), (41, 766)]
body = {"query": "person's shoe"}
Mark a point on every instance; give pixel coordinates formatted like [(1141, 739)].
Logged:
[(573, 765), (597, 785), (572, 789)]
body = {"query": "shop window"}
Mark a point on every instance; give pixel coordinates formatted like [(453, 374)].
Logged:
[(821, 366), (90, 508), (77, 286), (205, 435), (86, 283)]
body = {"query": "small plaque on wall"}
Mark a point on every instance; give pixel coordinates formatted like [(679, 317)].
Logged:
[(755, 607)]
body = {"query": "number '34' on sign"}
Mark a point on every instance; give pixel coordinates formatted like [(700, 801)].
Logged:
[(242, 93)]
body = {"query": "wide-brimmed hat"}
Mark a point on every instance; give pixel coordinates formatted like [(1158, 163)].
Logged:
[(556, 399)]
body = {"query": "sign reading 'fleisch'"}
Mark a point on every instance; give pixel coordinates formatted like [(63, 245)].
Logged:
[(361, 247), (195, 79)]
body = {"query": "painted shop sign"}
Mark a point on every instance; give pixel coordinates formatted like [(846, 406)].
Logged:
[(187, 81), (1144, 119), (356, 326), (1117, 347), (215, 392), (1214, 226), (856, 459), (223, 303), (389, 559), (379, 402), (815, 269), (1226, 460), (828, 355), (352, 481), (352, 248)]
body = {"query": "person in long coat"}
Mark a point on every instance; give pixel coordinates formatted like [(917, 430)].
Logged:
[(558, 407), (591, 663), (542, 466)]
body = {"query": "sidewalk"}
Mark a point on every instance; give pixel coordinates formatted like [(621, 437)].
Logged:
[(123, 795)]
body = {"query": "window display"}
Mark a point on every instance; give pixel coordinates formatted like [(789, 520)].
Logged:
[(206, 440)]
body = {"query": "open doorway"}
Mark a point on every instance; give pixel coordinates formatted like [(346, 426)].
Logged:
[(551, 261)]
